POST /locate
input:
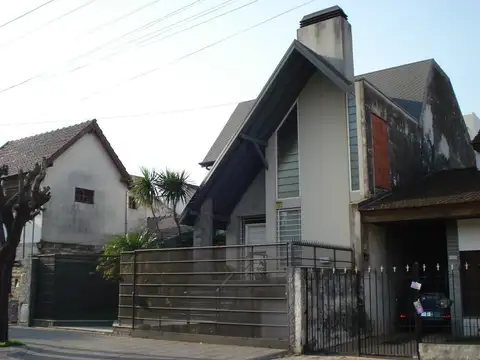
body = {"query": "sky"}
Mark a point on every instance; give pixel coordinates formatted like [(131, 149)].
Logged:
[(162, 81)]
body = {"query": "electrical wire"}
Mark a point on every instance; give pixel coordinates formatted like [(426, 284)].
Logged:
[(95, 29), (51, 21), (144, 42), (148, 72), (43, 74), (27, 13), (127, 116)]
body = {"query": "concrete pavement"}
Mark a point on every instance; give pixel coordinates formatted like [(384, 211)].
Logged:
[(43, 344)]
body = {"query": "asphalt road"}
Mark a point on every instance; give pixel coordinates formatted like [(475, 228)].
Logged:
[(42, 344)]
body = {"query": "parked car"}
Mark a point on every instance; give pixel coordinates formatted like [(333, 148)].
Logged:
[(435, 314)]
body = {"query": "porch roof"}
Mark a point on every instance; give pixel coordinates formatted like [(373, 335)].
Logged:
[(440, 195), (239, 162)]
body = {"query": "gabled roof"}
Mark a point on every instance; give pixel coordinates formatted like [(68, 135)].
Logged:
[(405, 85), (23, 154), (238, 162)]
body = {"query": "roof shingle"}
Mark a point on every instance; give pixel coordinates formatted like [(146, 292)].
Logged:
[(23, 154)]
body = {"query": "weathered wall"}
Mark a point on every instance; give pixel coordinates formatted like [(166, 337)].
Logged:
[(86, 165), (404, 138), (443, 125), (437, 142)]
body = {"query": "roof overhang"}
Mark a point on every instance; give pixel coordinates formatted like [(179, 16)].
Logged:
[(443, 211), (239, 163)]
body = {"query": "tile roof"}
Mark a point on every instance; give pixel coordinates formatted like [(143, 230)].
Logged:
[(23, 154), (405, 85), (447, 187)]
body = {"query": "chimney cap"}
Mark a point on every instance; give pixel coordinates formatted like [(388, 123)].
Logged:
[(323, 15)]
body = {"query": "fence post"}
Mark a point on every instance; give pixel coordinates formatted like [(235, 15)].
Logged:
[(296, 309), (418, 321), (134, 282), (360, 313)]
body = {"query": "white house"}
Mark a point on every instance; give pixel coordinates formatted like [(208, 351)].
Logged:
[(89, 187)]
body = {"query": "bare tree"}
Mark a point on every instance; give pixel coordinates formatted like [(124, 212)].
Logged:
[(15, 211)]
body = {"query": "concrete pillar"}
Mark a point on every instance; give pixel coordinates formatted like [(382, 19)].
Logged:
[(296, 309), (454, 282), (203, 236), (26, 292)]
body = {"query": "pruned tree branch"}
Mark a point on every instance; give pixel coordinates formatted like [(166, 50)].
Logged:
[(21, 207)]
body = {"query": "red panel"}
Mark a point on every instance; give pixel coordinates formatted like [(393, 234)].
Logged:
[(381, 160)]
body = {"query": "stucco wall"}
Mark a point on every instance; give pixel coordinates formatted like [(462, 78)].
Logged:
[(88, 166), (468, 234), (324, 163), (252, 203)]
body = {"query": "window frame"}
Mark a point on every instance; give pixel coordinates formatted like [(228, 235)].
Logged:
[(86, 194), (350, 172), (132, 204), (294, 105)]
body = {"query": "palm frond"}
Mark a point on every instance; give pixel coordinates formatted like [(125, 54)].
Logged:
[(145, 190), (174, 186)]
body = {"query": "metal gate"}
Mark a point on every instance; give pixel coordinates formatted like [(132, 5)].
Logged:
[(359, 313)]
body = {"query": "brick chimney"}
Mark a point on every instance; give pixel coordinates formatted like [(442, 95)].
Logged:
[(328, 33)]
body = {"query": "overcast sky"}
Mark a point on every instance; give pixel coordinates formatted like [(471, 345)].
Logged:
[(131, 73)]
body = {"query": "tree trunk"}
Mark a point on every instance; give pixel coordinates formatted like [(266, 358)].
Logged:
[(155, 218), (5, 289), (175, 218)]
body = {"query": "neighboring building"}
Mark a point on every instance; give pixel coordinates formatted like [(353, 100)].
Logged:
[(89, 187), (473, 124), (294, 163)]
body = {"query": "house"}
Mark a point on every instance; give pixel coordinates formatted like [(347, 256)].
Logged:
[(89, 187), (473, 124), (294, 163)]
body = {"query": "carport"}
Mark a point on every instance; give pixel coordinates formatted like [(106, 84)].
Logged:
[(424, 223)]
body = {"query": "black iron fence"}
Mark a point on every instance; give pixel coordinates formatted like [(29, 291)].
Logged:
[(68, 287), (235, 291), (388, 311)]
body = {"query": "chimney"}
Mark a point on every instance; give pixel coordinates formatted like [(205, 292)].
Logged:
[(328, 33)]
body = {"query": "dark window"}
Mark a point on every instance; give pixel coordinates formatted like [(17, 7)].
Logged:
[(84, 195), (353, 142), (132, 204)]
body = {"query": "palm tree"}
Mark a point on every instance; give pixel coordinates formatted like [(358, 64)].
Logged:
[(175, 187), (145, 191)]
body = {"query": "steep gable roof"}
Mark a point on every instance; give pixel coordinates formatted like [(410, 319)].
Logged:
[(23, 154), (405, 85)]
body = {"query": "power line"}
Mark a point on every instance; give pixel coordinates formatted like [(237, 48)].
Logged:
[(123, 16), (165, 29), (111, 117), (27, 13), (42, 74), (52, 21), (148, 72)]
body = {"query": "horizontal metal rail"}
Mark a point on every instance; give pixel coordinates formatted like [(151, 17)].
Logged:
[(209, 285), (209, 322), (237, 311), (195, 261), (199, 297), (279, 245), (259, 272)]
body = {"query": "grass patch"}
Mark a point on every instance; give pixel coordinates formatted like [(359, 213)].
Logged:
[(10, 343)]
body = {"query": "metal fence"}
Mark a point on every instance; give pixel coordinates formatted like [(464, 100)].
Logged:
[(234, 291), (68, 287), (380, 312)]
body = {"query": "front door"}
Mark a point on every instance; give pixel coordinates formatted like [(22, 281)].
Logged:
[(256, 255)]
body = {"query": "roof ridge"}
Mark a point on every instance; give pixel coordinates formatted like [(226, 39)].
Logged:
[(397, 66), (87, 123)]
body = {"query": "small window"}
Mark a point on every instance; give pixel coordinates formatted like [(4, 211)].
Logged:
[(84, 195), (132, 204)]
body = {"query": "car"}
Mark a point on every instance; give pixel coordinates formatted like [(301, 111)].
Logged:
[(435, 315)]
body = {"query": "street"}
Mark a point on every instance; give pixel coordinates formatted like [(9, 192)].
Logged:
[(43, 344)]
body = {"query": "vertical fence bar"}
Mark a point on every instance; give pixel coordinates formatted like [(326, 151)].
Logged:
[(418, 322), (359, 312), (134, 283)]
